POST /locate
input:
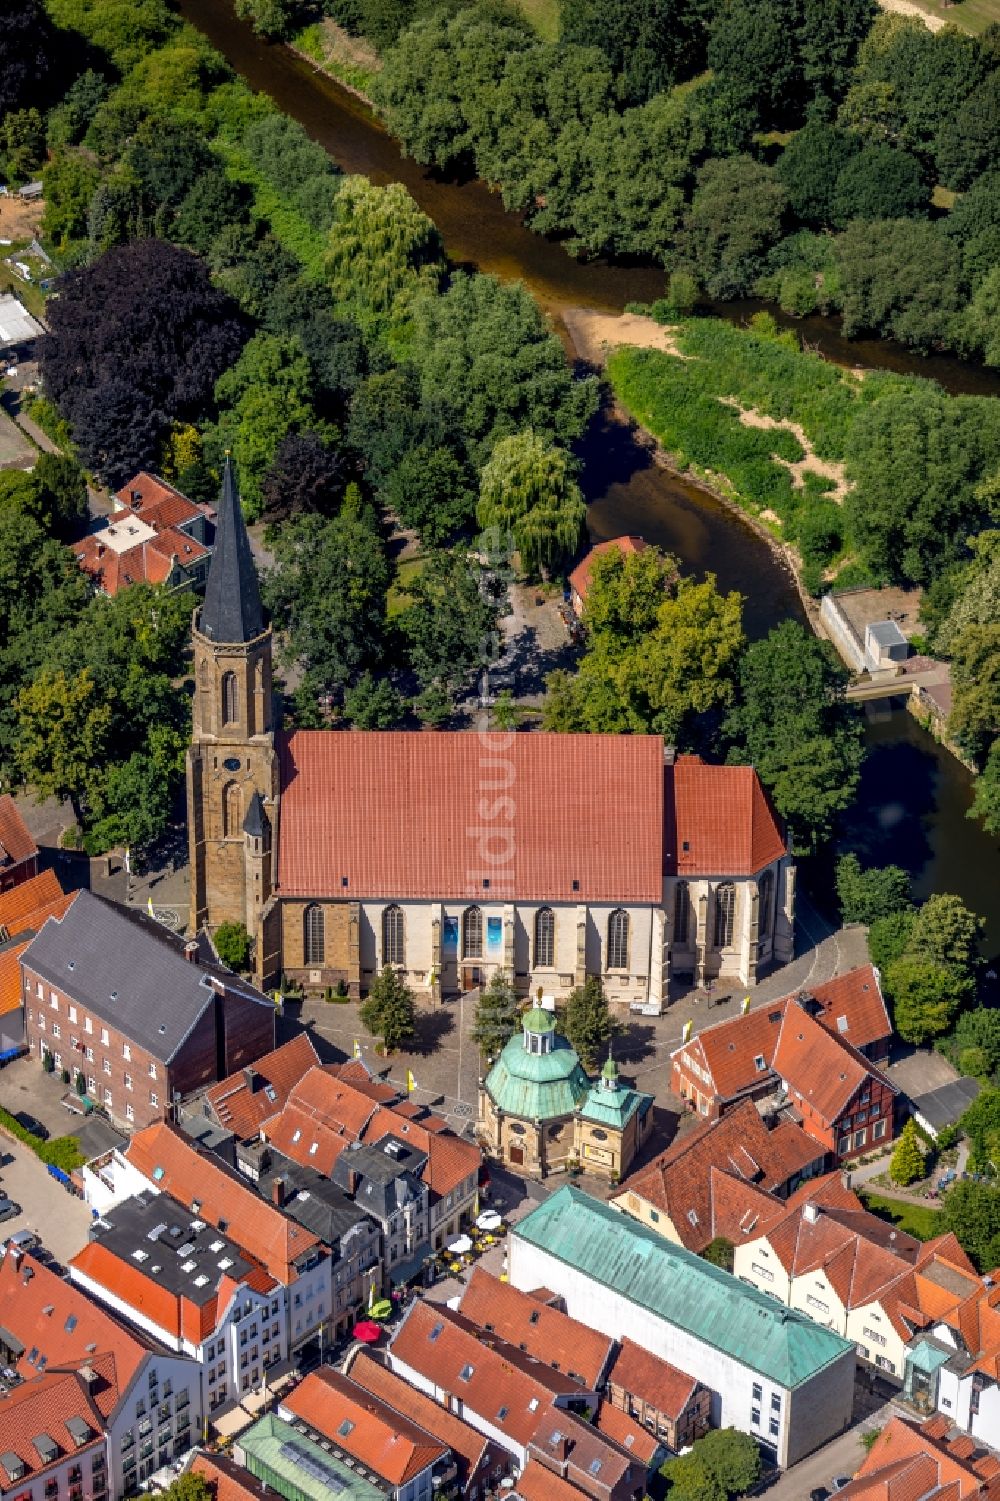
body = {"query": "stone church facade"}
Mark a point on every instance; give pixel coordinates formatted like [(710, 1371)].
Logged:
[(453, 855)]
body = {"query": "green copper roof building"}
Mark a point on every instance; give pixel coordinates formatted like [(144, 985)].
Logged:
[(297, 1468), (538, 1075), (685, 1291)]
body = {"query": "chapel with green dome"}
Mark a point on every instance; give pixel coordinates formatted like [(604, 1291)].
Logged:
[(539, 1111)]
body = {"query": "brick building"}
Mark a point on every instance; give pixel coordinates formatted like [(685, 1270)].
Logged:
[(344, 853), (114, 996), (810, 1056), (666, 1401), (18, 851), (23, 910), (155, 535)]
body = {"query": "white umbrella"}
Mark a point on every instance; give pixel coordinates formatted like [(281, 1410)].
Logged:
[(460, 1246), (489, 1220)]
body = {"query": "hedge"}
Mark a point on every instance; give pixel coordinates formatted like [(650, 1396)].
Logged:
[(62, 1151)]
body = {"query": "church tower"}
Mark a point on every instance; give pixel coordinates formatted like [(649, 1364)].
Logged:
[(232, 767)]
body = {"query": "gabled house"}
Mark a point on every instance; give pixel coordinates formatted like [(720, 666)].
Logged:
[(538, 1327), (667, 1402), (162, 1160), (390, 1448), (729, 1177), (194, 1290), (500, 1390), (924, 1462), (477, 1460), (23, 910), (143, 1401), (18, 850), (242, 1101), (809, 1056), (578, 1452), (155, 535), (952, 1362), (114, 995)]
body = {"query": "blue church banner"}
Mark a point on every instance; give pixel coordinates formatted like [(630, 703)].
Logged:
[(449, 938)]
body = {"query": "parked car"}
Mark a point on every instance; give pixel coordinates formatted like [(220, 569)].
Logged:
[(839, 1481), (22, 1240), (31, 1124), (9, 1210)]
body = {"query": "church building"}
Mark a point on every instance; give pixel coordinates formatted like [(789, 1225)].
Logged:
[(451, 855)]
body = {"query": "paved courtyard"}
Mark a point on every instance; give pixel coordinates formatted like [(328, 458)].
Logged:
[(59, 1217)]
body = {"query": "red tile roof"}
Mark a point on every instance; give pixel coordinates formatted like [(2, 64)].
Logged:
[(536, 1483), (540, 1330), (909, 1461), (657, 1382), (149, 562), (820, 1068), (450, 1160), (354, 1072), (16, 844), (299, 1135), (11, 998), (18, 904), (171, 1163), (376, 1435), (579, 579), (466, 1443), (584, 1456), (717, 821), (725, 1172), (390, 813), (632, 1436), (36, 1307), (228, 1481), (159, 503), (501, 1379), (44, 1406), (728, 1049), (241, 1108), (172, 1312)]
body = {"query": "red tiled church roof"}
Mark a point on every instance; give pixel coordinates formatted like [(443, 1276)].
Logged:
[(587, 818), (718, 821)]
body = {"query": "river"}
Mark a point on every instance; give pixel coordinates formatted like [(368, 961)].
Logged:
[(914, 795)]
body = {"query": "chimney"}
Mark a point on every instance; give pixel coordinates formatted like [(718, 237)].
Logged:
[(810, 1213), (101, 549), (278, 1192), (191, 951), (669, 755), (89, 1378), (250, 1077), (560, 1446)]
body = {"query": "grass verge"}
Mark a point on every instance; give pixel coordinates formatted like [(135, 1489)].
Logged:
[(915, 1219)]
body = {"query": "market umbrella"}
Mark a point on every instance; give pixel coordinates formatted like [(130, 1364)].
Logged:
[(382, 1309), (367, 1332), (460, 1246), (489, 1220)]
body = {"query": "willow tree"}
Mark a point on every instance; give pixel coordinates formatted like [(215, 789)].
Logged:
[(382, 251), (528, 493)]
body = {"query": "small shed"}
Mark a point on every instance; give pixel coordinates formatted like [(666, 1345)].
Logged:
[(945, 1105), (885, 645), (30, 190), (17, 326)]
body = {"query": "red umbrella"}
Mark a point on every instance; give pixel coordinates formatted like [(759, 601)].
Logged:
[(368, 1332)]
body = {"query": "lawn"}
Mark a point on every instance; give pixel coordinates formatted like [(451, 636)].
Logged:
[(969, 15), (914, 1219), (544, 17)]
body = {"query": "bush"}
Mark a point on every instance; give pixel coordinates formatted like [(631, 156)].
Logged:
[(232, 944), (62, 1151)]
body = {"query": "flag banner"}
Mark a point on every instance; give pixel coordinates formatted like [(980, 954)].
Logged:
[(357, 1048), (686, 1033), (746, 1004), (411, 1082)]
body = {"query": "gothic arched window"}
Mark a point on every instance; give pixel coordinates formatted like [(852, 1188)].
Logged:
[(314, 934), (545, 938), (725, 914), (230, 698), (232, 811), (682, 912), (765, 893), (393, 946), (472, 933), (618, 939)]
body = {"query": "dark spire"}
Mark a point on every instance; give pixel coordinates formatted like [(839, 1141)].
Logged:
[(255, 823), (232, 609)]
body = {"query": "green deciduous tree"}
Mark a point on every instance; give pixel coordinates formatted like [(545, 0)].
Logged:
[(328, 591), (975, 676), (978, 1031), (389, 1012), (449, 622), (734, 218), (925, 996), (528, 493), (791, 722), (271, 18), (373, 704), (650, 44), (660, 680), (587, 1021), (809, 169), (986, 801), (879, 182), (867, 895), (430, 489), (232, 944), (972, 1213), (720, 1465), (497, 1017), (382, 252), (902, 277), (888, 937), (907, 1162), (63, 734)]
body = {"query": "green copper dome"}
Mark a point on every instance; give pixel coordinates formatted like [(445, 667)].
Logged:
[(537, 1086), (537, 1020)]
